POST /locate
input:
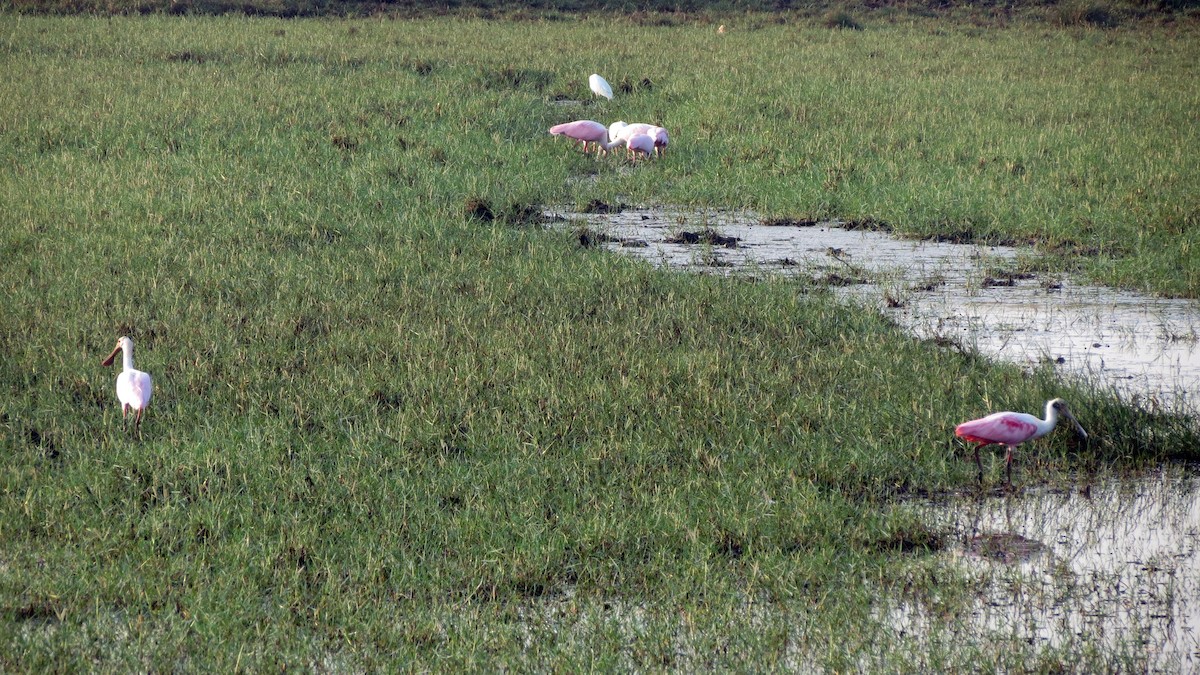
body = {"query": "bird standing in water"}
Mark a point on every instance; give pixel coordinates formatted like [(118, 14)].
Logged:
[(1012, 429)]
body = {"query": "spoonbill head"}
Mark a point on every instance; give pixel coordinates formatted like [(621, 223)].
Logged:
[(582, 131), (600, 86), (661, 139), (1011, 429), (133, 386)]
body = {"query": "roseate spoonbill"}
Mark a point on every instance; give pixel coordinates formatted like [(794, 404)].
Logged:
[(660, 140), (600, 86), (133, 386), (1012, 429), (583, 131), (639, 144), (622, 131)]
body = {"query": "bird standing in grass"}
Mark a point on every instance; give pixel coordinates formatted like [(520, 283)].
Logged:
[(1012, 429), (600, 86), (133, 386), (583, 131), (639, 144), (661, 139)]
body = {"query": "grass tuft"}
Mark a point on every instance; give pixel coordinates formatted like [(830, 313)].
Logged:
[(840, 19)]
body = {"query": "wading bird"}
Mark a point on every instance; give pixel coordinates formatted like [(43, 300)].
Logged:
[(639, 144), (660, 140), (1012, 429), (600, 86), (583, 131), (620, 131), (133, 386)]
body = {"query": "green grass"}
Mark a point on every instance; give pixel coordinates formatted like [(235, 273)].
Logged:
[(385, 432)]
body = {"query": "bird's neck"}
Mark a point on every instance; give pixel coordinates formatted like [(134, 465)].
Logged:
[(1051, 418), (127, 358)]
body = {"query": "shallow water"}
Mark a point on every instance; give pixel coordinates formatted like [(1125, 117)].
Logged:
[(1116, 564), (1145, 347)]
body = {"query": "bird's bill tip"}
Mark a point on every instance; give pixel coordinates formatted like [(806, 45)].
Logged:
[(109, 361), (1078, 427)]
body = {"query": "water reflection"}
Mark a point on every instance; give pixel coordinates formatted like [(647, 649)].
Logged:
[(1146, 347), (1114, 564)]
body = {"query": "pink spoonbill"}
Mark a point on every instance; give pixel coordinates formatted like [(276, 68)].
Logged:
[(620, 131), (133, 385), (661, 139), (1012, 429), (639, 144), (583, 131)]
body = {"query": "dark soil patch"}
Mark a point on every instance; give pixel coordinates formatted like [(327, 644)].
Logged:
[(868, 224), (589, 238), (598, 206), (705, 236), (790, 222), (835, 279)]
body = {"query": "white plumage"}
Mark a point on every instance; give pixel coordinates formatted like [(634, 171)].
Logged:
[(600, 86), (133, 386)]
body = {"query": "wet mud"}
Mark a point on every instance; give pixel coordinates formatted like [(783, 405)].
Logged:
[(973, 297)]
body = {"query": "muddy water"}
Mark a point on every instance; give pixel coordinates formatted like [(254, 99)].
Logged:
[(1148, 348), (1114, 565)]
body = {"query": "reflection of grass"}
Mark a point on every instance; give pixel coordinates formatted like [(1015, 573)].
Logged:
[(390, 416)]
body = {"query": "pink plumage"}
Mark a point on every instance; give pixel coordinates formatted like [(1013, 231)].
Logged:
[(660, 140), (582, 131), (1002, 428), (1010, 429), (640, 144)]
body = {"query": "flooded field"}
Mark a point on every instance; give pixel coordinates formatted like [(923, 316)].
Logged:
[(1113, 565), (1106, 573), (972, 296)]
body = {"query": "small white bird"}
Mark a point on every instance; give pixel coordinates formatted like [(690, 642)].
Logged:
[(600, 86), (133, 386)]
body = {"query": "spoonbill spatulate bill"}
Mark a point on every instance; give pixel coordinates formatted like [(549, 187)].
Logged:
[(600, 86), (1011, 429), (133, 386)]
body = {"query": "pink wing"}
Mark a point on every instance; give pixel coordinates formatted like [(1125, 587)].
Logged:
[(134, 389), (1004, 428), (581, 130)]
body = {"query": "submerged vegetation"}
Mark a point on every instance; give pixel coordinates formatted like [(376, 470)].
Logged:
[(397, 421)]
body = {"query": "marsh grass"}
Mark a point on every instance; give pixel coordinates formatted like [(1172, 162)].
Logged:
[(389, 430)]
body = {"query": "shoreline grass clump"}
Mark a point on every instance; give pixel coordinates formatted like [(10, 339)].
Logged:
[(385, 431)]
